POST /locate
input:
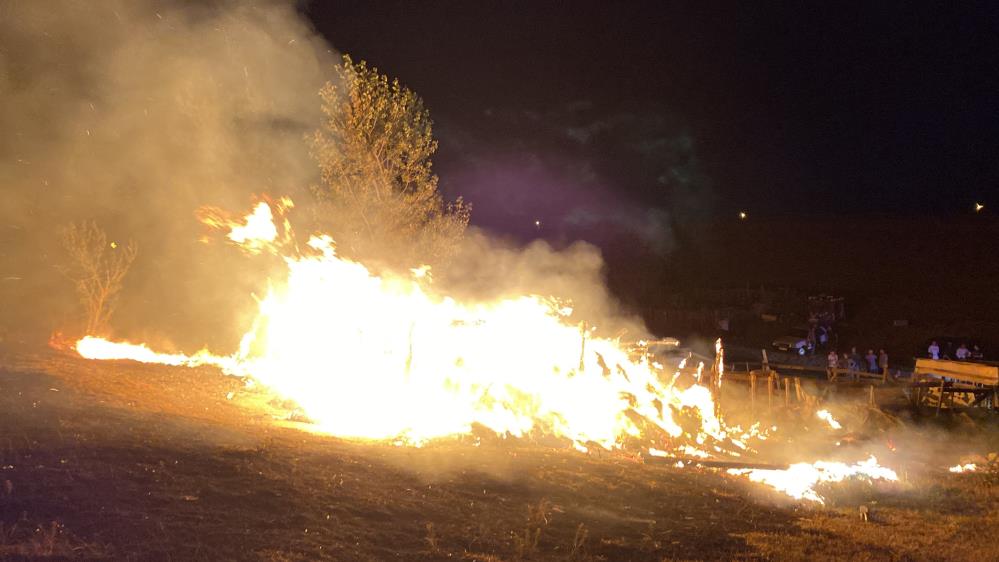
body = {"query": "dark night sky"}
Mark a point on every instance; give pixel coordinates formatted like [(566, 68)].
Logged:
[(810, 108)]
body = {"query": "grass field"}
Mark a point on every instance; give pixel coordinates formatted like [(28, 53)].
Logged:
[(122, 461)]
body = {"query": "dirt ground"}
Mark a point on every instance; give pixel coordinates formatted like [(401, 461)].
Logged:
[(122, 461)]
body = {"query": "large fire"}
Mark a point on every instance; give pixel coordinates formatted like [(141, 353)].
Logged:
[(386, 357)]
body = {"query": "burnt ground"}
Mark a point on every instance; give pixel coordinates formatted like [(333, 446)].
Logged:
[(121, 461)]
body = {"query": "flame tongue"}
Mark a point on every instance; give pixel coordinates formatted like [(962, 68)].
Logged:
[(92, 347), (828, 418), (800, 479)]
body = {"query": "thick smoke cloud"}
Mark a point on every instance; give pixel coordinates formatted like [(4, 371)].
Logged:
[(487, 268), (135, 113)]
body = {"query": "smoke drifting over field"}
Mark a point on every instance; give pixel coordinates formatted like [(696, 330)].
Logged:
[(134, 114)]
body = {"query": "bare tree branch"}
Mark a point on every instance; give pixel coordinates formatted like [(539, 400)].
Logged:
[(97, 269)]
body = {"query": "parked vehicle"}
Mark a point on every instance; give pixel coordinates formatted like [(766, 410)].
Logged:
[(796, 342)]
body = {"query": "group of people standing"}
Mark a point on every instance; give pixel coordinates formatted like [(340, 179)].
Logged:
[(962, 353), (854, 361)]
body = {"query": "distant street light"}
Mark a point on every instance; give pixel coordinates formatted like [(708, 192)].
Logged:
[(743, 215), (537, 224), (979, 207)]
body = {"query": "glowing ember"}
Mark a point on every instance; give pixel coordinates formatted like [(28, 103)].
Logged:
[(800, 479), (825, 416), (970, 467)]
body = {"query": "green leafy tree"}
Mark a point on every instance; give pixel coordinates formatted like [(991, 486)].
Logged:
[(379, 196)]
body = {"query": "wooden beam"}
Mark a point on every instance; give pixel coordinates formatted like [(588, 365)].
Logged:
[(958, 370)]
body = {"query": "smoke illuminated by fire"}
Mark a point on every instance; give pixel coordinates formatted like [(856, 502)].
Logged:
[(388, 358)]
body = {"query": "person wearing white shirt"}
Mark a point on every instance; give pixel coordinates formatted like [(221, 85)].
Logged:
[(933, 350)]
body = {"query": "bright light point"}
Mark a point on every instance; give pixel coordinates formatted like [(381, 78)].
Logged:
[(743, 215), (114, 245), (979, 207), (537, 224)]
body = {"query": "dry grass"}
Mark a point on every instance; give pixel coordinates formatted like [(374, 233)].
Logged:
[(131, 462), (23, 539)]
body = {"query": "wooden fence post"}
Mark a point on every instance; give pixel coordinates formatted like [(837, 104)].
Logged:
[(787, 392), (752, 392), (770, 393), (940, 402)]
